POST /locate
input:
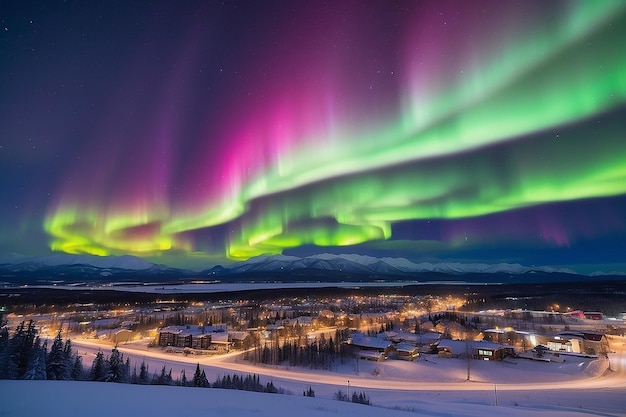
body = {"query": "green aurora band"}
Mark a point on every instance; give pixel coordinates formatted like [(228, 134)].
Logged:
[(485, 144)]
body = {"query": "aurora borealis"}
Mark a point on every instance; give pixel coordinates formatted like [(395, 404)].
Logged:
[(198, 132)]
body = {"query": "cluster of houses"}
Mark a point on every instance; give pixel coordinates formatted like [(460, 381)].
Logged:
[(407, 346), (583, 342), (392, 345), (496, 344)]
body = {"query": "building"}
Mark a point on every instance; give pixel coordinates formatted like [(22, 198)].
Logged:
[(424, 341), (577, 314), (594, 315), (220, 343), (194, 337), (406, 352), (122, 336), (476, 349), (519, 339), (591, 342), (372, 348)]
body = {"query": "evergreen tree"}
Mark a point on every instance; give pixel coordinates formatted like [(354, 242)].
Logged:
[(56, 365), (19, 352), (77, 368), (127, 370), (115, 367), (270, 388), (183, 379), (37, 367), (204, 380), (4, 352), (199, 378), (68, 359), (143, 373), (340, 396), (164, 378), (98, 368)]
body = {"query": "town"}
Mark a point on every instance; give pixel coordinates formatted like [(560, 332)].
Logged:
[(316, 331)]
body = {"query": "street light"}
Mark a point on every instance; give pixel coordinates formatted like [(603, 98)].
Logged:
[(348, 395)]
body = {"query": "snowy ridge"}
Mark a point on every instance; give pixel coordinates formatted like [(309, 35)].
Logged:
[(325, 262), (64, 266), (370, 265), (127, 262)]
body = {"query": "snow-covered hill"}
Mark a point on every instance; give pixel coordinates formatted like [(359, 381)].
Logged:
[(100, 399)]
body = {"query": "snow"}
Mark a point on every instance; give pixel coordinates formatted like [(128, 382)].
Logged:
[(430, 386), (95, 399), (131, 263), (345, 262), (369, 264)]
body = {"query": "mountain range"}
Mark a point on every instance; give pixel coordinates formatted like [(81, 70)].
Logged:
[(363, 264), (326, 267)]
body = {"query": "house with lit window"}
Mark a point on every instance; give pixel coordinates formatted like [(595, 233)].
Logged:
[(475, 349), (407, 352), (370, 348)]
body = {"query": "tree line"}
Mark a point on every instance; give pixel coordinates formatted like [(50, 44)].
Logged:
[(321, 353)]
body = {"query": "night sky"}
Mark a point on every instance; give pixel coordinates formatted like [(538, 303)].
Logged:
[(200, 132)]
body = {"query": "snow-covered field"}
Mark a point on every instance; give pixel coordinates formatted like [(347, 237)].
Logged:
[(97, 399), (428, 387)]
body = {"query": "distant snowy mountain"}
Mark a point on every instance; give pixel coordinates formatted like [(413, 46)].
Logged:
[(118, 262), (361, 264), (323, 266), (88, 266)]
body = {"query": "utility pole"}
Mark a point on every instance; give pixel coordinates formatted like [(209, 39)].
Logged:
[(495, 393), (467, 355)]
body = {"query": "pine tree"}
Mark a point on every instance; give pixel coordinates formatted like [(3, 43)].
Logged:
[(20, 351), (203, 380), (340, 396), (98, 368), (127, 370), (199, 378), (37, 369), (143, 373), (4, 352), (271, 388), (135, 378), (77, 368), (164, 378), (68, 359), (115, 369), (56, 366)]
